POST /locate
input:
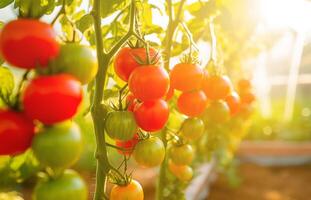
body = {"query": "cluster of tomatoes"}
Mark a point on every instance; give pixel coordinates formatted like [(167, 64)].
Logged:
[(41, 118)]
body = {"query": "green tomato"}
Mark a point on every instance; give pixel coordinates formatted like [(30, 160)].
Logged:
[(181, 172), (69, 186), (58, 146), (192, 128), (121, 125), (149, 152), (77, 60), (217, 112), (182, 154)]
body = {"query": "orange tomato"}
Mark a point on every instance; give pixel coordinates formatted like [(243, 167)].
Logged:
[(132, 191), (233, 101), (192, 103), (217, 87)]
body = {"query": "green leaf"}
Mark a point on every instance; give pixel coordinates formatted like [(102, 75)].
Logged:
[(84, 22), (109, 7), (5, 3), (6, 83)]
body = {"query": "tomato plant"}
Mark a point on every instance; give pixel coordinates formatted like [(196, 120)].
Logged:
[(52, 99), (69, 186), (131, 191), (16, 132), (28, 43)]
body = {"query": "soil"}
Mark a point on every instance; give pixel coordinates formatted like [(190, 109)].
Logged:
[(265, 183)]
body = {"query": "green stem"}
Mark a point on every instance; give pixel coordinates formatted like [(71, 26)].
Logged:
[(161, 184)]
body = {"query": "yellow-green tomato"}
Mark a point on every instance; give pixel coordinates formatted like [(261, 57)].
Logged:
[(149, 152), (182, 154), (58, 146), (192, 128), (77, 60), (181, 172), (68, 186)]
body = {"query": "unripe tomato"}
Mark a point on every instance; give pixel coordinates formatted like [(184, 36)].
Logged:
[(28, 43), (121, 125), (186, 77), (192, 128), (131, 191), (217, 112), (182, 154), (247, 98), (69, 186), (217, 87), (52, 99), (125, 61), (192, 103), (58, 146), (16, 132), (129, 145), (233, 101), (149, 152), (77, 60), (152, 115), (182, 172), (149, 82)]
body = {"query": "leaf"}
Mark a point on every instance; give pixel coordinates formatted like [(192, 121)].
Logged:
[(6, 83), (84, 22), (111, 6), (5, 3)]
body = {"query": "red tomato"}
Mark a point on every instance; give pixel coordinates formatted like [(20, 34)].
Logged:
[(149, 82), (129, 145), (52, 99), (28, 43), (192, 103), (217, 87), (244, 85), (125, 63), (152, 115), (247, 98), (233, 101), (169, 94), (186, 77), (16, 132), (131, 102)]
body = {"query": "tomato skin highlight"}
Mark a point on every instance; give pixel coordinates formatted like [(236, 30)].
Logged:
[(182, 155), (69, 186), (186, 77), (192, 128), (192, 103), (152, 115), (233, 101), (217, 87), (132, 191), (16, 132), (52, 99), (128, 144), (125, 63), (78, 60), (149, 82), (149, 152), (28, 43), (120, 125), (58, 146)]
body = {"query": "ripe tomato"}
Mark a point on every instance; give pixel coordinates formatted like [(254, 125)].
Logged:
[(216, 112), (125, 61), (186, 77), (28, 43), (244, 85), (247, 98), (233, 101), (152, 115), (192, 103), (217, 87), (182, 154), (170, 94), (52, 99), (121, 125), (77, 60), (129, 145), (58, 146), (132, 191), (149, 82), (69, 186), (149, 152), (182, 172), (192, 128), (131, 102), (16, 132)]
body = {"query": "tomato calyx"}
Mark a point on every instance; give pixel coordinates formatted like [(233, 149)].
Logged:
[(116, 178), (190, 58)]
